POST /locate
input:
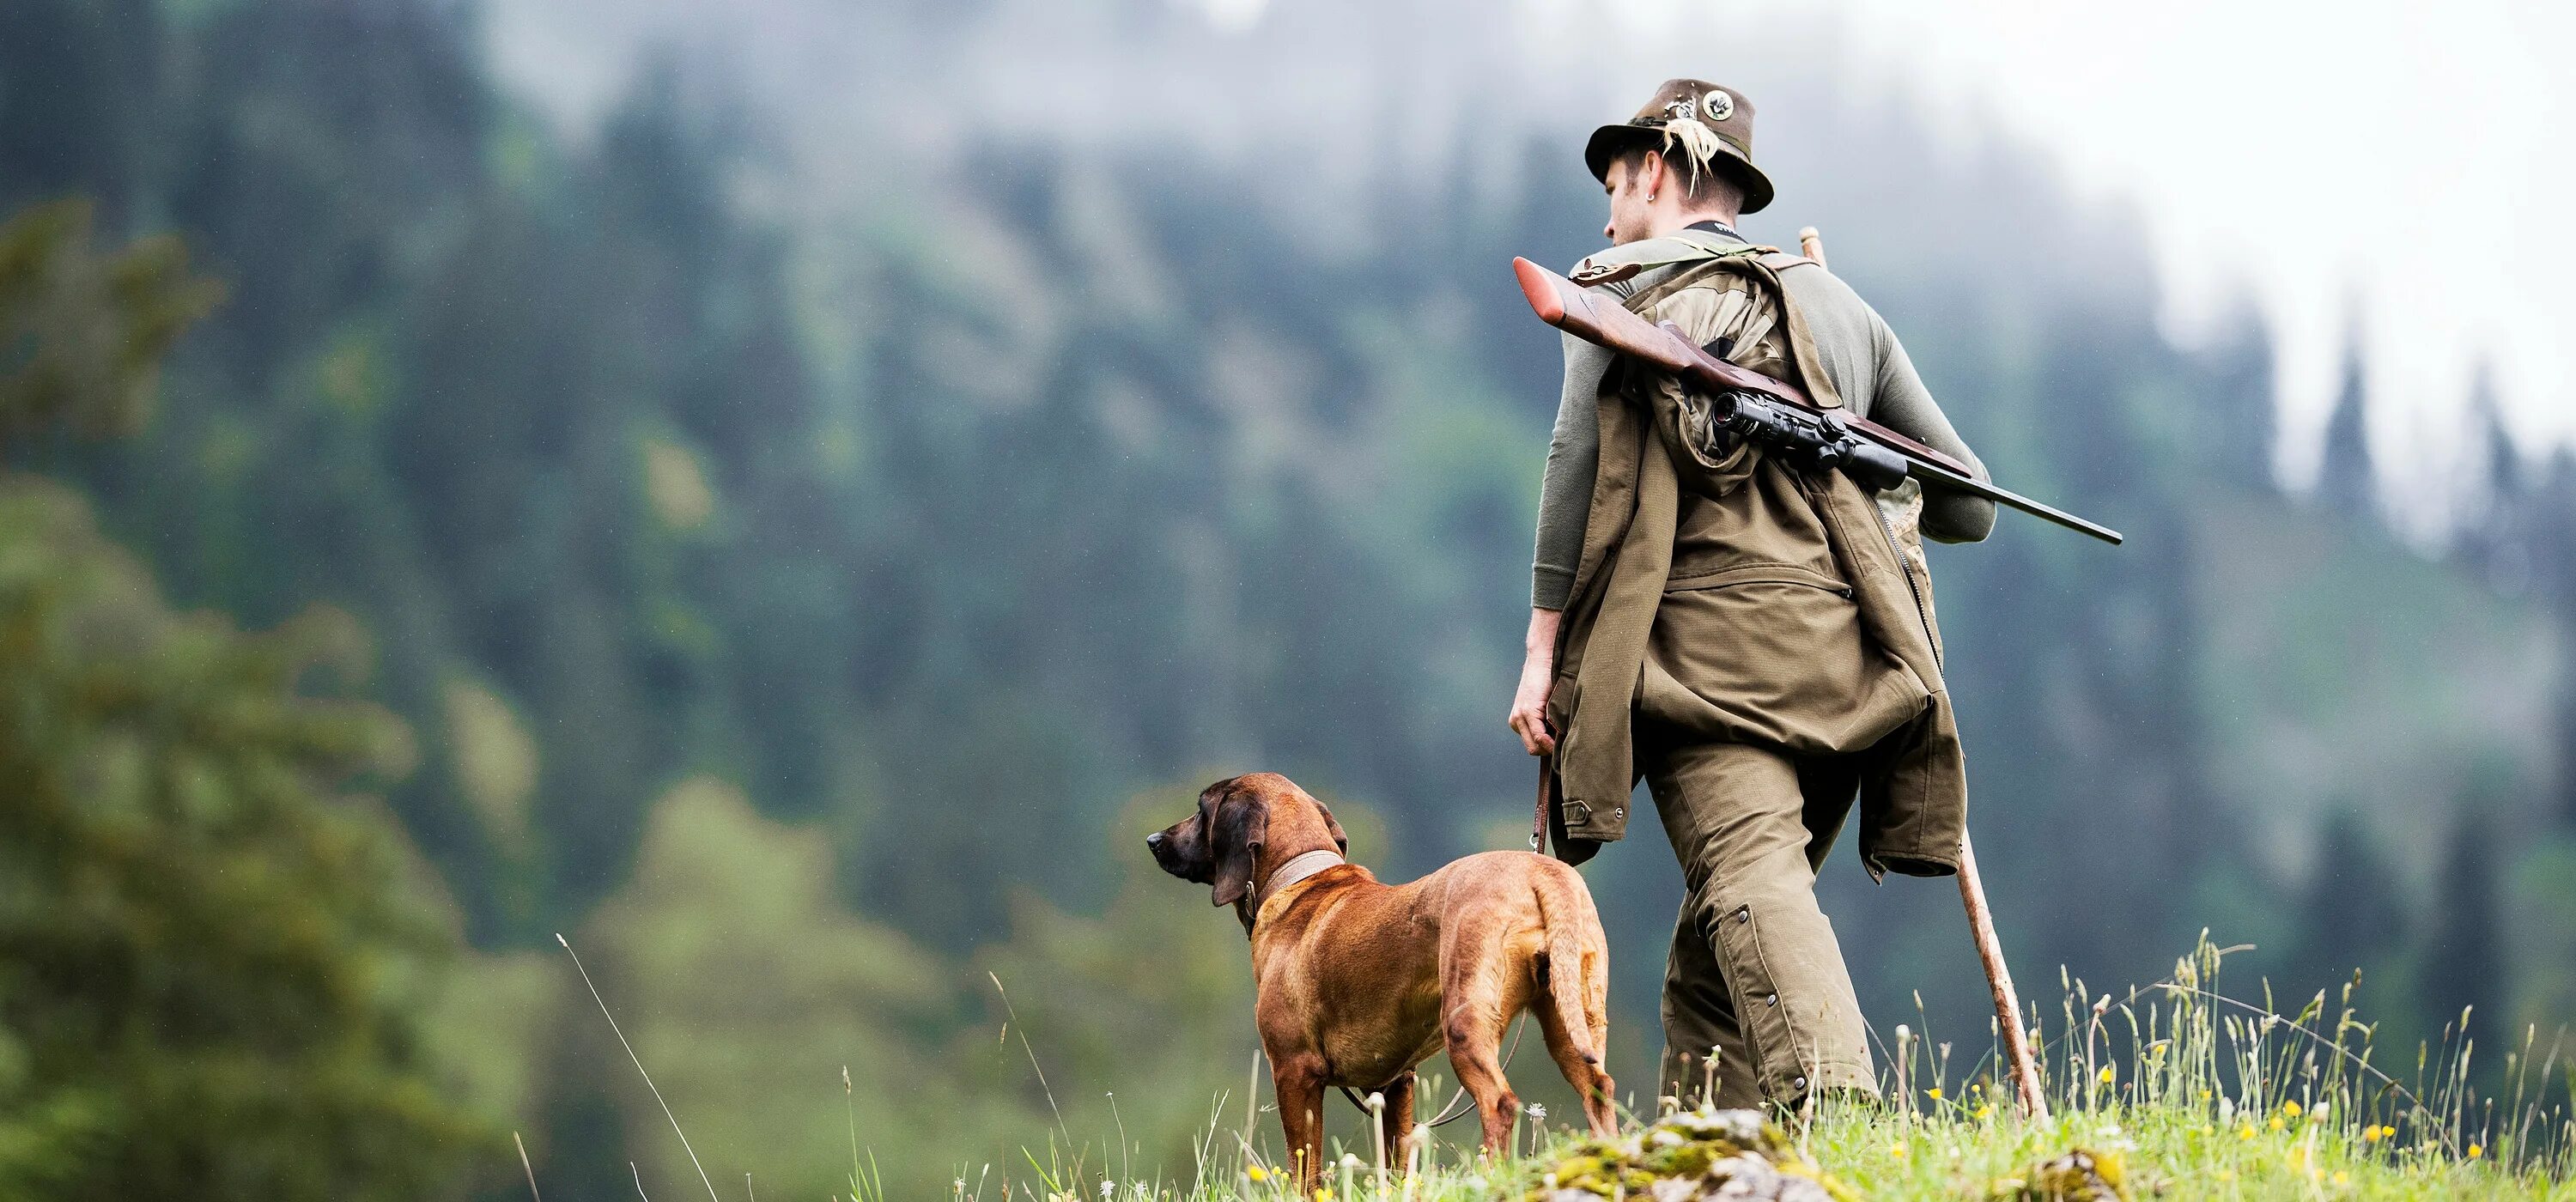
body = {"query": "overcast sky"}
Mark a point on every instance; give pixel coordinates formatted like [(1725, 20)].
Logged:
[(2373, 166), (2394, 170), (2403, 165)]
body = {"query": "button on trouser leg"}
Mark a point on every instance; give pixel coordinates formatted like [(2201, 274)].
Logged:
[(1755, 968)]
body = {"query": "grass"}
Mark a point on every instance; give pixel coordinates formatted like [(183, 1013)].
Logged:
[(2175, 1090)]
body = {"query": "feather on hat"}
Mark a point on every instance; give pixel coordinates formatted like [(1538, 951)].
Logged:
[(1711, 128)]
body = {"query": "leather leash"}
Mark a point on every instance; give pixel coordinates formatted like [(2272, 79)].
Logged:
[(1546, 798)]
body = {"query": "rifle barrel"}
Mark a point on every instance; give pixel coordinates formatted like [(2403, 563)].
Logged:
[(1933, 473)]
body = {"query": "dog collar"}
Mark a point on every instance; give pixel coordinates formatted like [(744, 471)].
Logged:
[(1298, 868)]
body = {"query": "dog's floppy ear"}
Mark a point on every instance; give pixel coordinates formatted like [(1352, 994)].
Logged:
[(1341, 842), (1242, 825)]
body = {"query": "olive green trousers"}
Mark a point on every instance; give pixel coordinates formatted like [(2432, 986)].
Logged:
[(1755, 971)]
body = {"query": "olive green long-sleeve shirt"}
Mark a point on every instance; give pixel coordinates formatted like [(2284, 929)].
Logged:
[(1868, 367)]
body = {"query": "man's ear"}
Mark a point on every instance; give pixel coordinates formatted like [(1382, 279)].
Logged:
[(1241, 828), (1341, 842)]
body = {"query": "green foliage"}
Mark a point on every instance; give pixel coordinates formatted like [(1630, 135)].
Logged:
[(748, 991), (210, 959), (82, 334)]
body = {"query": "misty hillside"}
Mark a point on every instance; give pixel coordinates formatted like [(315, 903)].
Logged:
[(815, 509)]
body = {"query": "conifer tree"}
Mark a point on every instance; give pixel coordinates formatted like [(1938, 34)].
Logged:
[(2346, 480), (2464, 962), (2350, 915), (211, 960)]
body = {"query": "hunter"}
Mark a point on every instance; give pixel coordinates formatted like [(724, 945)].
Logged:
[(1756, 642)]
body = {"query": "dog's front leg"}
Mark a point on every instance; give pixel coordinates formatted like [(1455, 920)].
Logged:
[(1298, 1079)]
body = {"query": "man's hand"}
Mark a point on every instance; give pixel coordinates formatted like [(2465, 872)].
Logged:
[(1538, 675)]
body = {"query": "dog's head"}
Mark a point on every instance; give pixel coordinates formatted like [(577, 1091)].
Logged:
[(1245, 826)]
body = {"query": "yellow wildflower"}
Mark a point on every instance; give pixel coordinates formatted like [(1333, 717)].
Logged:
[(1256, 1173), (1933, 1093), (2107, 1074), (2275, 1124), (1985, 1112), (1323, 1193), (2342, 1179), (2246, 1132), (1896, 1150), (2476, 1151), (2370, 1134), (2290, 1108)]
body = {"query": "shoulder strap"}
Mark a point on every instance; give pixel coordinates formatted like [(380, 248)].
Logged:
[(1680, 246)]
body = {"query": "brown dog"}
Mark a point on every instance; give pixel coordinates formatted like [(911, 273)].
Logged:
[(1356, 982)]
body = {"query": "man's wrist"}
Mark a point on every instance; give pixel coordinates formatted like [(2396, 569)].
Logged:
[(1540, 642)]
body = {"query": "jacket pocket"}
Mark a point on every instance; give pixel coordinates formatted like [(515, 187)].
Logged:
[(1757, 573)]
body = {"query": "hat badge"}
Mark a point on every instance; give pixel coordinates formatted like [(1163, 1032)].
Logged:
[(1679, 110), (1718, 105)]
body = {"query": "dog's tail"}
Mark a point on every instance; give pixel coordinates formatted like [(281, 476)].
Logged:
[(1563, 912)]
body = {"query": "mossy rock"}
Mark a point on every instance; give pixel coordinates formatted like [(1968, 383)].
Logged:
[(2081, 1175), (1689, 1156)]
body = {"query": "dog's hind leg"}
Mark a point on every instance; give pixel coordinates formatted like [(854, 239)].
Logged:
[(1477, 999), (1568, 995), (1573, 994)]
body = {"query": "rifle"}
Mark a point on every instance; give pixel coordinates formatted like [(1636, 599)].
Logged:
[(1750, 404)]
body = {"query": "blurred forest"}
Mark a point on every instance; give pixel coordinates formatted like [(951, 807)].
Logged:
[(542, 533)]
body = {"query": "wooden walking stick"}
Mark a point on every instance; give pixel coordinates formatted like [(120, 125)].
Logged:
[(1990, 952), (1981, 920)]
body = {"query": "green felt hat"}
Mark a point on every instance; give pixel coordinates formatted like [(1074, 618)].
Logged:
[(1693, 122)]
